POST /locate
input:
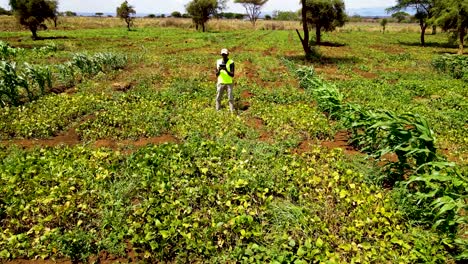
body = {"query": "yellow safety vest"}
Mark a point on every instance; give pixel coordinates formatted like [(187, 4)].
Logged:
[(224, 77)]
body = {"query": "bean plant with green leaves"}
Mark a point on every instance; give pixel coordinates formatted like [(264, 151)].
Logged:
[(454, 65)]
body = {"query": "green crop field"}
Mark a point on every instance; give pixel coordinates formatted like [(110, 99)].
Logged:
[(111, 148)]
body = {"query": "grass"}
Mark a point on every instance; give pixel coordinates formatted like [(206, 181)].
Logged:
[(234, 188)]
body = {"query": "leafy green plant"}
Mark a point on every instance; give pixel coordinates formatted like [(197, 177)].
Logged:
[(39, 76), (455, 65), (7, 52), (10, 83)]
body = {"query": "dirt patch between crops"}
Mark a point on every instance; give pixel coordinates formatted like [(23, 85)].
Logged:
[(103, 258), (365, 74), (63, 89), (69, 138), (115, 144), (341, 140), (123, 86), (246, 94), (259, 125)]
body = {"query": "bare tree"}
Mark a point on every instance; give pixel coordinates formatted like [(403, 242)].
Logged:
[(252, 7)]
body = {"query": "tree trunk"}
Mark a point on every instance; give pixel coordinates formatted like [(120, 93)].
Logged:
[(203, 27), (34, 32), (462, 34), (305, 28), (434, 30), (423, 31), (318, 34)]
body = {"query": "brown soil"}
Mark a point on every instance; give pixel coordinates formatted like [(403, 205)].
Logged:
[(243, 106), (62, 89), (122, 86), (256, 123), (365, 74), (114, 144), (330, 73), (341, 141), (39, 261), (259, 125), (69, 138), (103, 258), (304, 146), (246, 94)]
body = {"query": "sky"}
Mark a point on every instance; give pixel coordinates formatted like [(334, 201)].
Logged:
[(168, 6)]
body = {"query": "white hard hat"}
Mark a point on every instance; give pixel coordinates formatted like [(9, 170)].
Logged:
[(224, 51)]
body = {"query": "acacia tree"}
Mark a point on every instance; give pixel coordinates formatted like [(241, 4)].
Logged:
[(400, 16), (33, 13), (452, 15), (202, 10), (383, 23), (325, 15), (126, 12), (424, 12), (252, 7)]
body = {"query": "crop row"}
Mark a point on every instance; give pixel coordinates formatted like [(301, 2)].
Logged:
[(201, 201), (436, 188), (26, 83)]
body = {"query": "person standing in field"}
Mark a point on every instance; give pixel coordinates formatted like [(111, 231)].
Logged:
[(225, 73)]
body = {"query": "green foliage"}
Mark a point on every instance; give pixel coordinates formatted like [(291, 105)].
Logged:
[(33, 13), (328, 97), (253, 8), (400, 16), (47, 116), (201, 10), (176, 14), (453, 15), (286, 16), (439, 190), (10, 84), (7, 52), (454, 65), (325, 15), (4, 12), (29, 82), (127, 13)]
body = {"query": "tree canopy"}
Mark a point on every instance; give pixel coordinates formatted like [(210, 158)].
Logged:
[(126, 12), (452, 15), (424, 12), (325, 15), (3, 11), (252, 7), (33, 13), (202, 10), (400, 16)]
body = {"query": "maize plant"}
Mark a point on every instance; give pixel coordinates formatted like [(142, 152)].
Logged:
[(409, 136), (328, 97), (40, 76), (7, 52), (109, 61), (66, 74), (85, 64), (10, 82), (442, 194)]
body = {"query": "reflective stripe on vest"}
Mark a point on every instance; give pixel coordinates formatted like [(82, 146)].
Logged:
[(223, 75)]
